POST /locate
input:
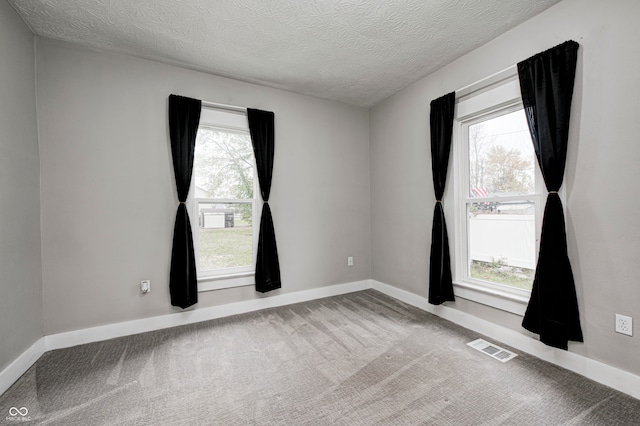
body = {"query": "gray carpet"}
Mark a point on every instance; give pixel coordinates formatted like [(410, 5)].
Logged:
[(357, 359)]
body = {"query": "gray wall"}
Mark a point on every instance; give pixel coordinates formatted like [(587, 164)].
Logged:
[(601, 178), (108, 195), (20, 265)]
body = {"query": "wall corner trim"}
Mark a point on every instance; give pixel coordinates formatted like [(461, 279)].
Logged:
[(20, 365)]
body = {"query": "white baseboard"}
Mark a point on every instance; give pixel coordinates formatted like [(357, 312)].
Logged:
[(595, 370), (20, 365), (592, 369), (110, 331)]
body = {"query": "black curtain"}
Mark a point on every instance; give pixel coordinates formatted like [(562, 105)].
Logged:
[(261, 128), (441, 119), (546, 84), (184, 116)]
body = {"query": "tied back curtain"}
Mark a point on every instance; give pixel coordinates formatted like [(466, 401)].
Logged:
[(184, 117), (261, 128), (441, 120), (546, 85)]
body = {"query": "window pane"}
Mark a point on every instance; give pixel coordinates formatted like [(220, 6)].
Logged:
[(502, 242), (223, 165), (226, 235), (501, 157)]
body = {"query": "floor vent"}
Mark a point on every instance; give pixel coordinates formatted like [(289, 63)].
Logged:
[(492, 350)]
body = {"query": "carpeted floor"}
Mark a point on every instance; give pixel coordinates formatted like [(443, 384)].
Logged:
[(357, 359)]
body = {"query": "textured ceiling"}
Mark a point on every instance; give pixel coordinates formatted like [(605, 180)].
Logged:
[(355, 51)]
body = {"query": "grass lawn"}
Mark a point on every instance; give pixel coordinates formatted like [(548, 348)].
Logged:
[(226, 247), (500, 274)]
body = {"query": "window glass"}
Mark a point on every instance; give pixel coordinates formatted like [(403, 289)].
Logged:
[(223, 164), (502, 242), (501, 157), (226, 237), (224, 182), (502, 204)]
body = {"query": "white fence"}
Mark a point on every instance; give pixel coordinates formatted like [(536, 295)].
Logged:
[(507, 237)]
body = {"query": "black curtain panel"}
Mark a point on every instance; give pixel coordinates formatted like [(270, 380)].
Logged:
[(184, 116), (261, 128), (441, 119), (546, 84)]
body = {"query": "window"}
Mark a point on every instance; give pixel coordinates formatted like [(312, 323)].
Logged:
[(498, 192), (223, 200)]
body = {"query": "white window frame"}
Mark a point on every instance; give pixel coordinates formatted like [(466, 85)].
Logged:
[(494, 96), (232, 122)]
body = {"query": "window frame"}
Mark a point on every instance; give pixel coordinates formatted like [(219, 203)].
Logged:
[(494, 96), (210, 280)]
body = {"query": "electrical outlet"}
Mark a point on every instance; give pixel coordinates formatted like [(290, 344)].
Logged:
[(350, 261), (624, 324), (145, 286)]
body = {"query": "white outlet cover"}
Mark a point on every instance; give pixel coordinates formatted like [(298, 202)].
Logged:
[(624, 324)]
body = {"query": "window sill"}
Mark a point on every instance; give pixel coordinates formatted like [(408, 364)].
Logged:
[(219, 282), (494, 297)]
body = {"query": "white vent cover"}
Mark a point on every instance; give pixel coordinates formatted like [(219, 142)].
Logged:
[(492, 350)]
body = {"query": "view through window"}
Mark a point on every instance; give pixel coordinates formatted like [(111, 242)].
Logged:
[(224, 183), (502, 201)]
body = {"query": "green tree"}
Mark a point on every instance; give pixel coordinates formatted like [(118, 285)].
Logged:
[(223, 166), (479, 143), (508, 170)]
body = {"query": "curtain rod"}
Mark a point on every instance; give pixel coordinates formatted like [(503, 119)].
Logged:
[(231, 108)]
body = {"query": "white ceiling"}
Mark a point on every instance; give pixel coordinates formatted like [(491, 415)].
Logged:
[(355, 51)]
